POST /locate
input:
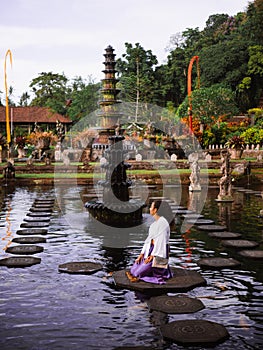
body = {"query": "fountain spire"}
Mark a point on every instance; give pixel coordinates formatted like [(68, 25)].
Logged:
[(116, 208)]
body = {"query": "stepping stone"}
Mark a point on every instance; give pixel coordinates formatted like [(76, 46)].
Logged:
[(218, 263), (32, 231), (45, 201), (19, 261), (240, 243), (37, 210), (195, 332), (182, 281), (29, 240), (211, 228), (224, 235), (253, 254), (175, 304), (39, 214), (37, 218), (182, 211), (177, 207), (200, 222), (34, 224), (49, 206), (192, 216), (84, 267), (24, 249)]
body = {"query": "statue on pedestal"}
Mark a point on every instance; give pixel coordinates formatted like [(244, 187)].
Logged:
[(195, 174), (225, 182)]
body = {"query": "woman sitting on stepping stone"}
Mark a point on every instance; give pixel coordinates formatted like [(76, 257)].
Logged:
[(152, 264)]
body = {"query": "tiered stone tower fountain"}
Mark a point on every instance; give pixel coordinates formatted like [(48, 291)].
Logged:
[(109, 114), (116, 208)]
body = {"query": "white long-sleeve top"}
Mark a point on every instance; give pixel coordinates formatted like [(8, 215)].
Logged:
[(159, 231)]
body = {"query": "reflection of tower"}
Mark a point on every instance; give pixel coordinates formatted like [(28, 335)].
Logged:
[(109, 115)]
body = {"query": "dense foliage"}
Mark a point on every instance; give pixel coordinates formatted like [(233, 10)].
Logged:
[(230, 50)]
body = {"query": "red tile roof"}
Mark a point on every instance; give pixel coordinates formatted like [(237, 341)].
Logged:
[(24, 115)]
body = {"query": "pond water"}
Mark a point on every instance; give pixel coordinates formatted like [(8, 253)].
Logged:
[(42, 308)]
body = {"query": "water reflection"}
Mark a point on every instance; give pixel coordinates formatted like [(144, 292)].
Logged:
[(44, 309)]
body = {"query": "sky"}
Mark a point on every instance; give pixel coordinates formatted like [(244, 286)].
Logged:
[(70, 36)]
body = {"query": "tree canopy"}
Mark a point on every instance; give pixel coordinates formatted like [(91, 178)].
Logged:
[(230, 50)]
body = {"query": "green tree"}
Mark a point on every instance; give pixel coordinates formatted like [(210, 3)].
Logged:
[(24, 99), (209, 104), (136, 71), (83, 99), (50, 90)]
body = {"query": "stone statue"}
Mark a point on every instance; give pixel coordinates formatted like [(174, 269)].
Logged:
[(60, 131), (225, 182), (195, 174)]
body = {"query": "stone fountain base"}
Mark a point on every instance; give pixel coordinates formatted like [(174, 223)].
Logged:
[(122, 214)]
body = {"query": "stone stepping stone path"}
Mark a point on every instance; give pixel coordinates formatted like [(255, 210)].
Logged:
[(41, 209), (182, 211), (81, 267), (29, 240), (25, 249), (195, 332), (40, 205), (39, 214), (239, 243), (200, 221), (19, 261), (34, 224), (224, 235), (177, 207), (192, 216), (182, 281), (211, 228), (32, 231), (175, 304), (218, 263), (37, 218), (252, 254)]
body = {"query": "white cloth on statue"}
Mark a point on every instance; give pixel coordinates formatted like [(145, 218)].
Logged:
[(159, 231)]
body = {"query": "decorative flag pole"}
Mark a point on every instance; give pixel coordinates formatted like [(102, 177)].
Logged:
[(8, 137)]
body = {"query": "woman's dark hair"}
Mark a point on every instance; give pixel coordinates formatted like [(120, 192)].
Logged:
[(164, 209)]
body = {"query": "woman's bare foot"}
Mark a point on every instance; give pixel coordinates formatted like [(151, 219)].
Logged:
[(131, 277)]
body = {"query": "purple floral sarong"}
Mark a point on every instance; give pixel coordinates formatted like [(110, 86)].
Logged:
[(150, 274)]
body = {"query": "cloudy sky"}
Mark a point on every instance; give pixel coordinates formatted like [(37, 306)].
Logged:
[(69, 36)]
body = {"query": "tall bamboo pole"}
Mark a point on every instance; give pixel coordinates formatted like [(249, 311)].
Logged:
[(8, 133)]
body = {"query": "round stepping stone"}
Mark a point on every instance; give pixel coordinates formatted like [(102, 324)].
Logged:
[(34, 224), (195, 332), (240, 243), (192, 216), (211, 228), (85, 267), (24, 249), (37, 218), (218, 263), (19, 261), (224, 235), (253, 254), (183, 280), (182, 211), (32, 231), (29, 240), (49, 206), (177, 207), (37, 210), (200, 222), (175, 304), (39, 214)]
